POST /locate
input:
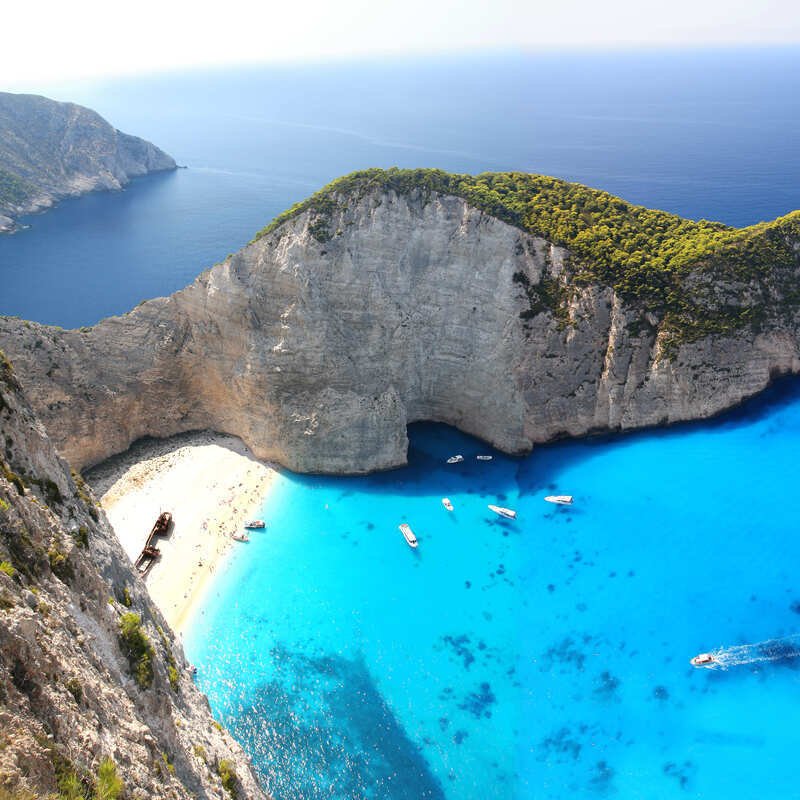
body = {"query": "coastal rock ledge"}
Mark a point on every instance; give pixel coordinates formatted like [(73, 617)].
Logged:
[(96, 696), (393, 297), (50, 151)]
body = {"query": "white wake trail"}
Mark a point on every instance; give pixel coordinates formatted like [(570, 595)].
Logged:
[(769, 650)]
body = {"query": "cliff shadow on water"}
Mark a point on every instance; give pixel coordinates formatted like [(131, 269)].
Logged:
[(537, 472), (432, 443)]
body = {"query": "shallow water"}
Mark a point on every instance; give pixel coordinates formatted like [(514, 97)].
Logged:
[(546, 657)]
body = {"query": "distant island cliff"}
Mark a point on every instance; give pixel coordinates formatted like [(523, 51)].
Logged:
[(518, 308), (51, 150)]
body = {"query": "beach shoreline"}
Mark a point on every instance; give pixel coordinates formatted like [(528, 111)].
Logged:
[(210, 482)]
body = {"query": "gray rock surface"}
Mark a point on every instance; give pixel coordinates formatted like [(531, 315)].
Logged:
[(319, 353), (51, 150), (68, 698)]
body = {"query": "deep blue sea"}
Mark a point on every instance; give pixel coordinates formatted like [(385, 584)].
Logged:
[(544, 658), (702, 134)]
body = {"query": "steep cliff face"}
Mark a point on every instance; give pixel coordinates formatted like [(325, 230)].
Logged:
[(50, 150), (73, 693), (319, 342)]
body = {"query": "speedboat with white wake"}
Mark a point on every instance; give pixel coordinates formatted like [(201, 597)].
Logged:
[(704, 660), (560, 499), (781, 649), (503, 512), (455, 459), (408, 534), (447, 504)]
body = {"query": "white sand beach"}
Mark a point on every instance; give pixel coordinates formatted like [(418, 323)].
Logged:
[(210, 482)]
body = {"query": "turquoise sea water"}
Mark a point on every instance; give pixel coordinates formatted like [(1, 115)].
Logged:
[(546, 658), (541, 658)]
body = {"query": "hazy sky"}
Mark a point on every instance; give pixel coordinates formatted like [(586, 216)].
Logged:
[(48, 41)]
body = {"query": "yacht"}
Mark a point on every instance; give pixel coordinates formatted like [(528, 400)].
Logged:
[(447, 504), (484, 458), (455, 459), (255, 524), (559, 499), (405, 529), (503, 512)]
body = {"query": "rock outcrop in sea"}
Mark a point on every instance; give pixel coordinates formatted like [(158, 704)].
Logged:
[(51, 150), (388, 300), (94, 688)]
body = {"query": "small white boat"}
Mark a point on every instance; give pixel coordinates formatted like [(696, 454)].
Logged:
[(704, 660), (447, 504), (455, 459), (503, 512), (255, 524), (405, 529), (484, 458), (559, 499), (240, 537)]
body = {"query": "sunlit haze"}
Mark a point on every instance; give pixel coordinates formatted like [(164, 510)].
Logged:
[(90, 39)]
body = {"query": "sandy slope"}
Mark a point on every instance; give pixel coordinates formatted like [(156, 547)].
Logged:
[(210, 482)]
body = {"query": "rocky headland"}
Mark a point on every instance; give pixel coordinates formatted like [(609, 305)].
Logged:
[(51, 150), (96, 696), (518, 308)]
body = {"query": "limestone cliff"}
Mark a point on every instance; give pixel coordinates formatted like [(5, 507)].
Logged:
[(320, 341), (51, 150), (81, 706)]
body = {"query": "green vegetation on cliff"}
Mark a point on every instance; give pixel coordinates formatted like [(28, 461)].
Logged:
[(137, 648), (697, 277), (13, 190)]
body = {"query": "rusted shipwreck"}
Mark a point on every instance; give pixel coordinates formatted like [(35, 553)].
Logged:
[(150, 553)]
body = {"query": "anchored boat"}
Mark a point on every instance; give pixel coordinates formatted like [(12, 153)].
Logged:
[(255, 524), (447, 504), (240, 537), (560, 499), (503, 512), (408, 534), (455, 459), (484, 458)]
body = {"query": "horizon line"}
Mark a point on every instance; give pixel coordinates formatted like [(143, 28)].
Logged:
[(396, 56)]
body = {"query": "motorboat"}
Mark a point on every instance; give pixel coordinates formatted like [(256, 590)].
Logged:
[(503, 512), (240, 537), (704, 660), (455, 459), (447, 504), (484, 458), (560, 499), (408, 534), (255, 524)]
